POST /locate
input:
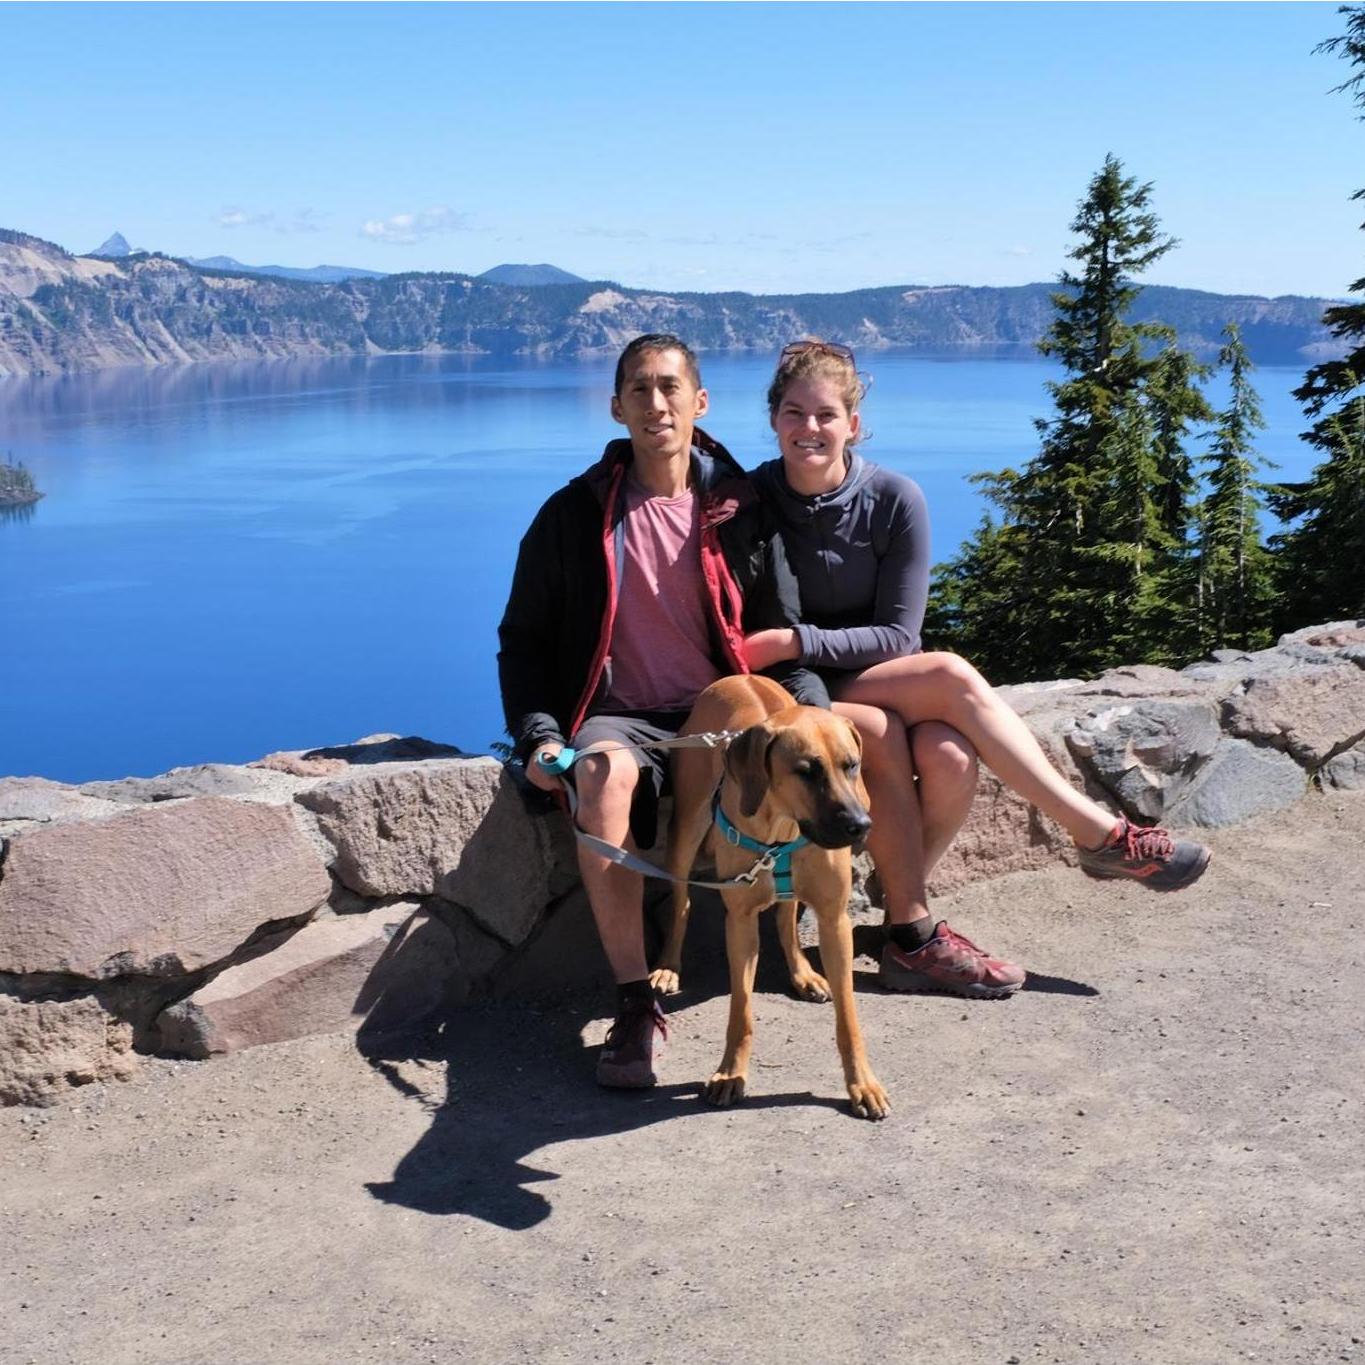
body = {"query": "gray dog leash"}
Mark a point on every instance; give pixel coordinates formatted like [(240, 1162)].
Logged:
[(564, 761)]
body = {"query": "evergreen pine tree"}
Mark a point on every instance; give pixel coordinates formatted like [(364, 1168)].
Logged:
[(1236, 588), (1076, 577), (1322, 557)]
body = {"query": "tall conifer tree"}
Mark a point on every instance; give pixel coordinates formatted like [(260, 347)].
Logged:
[(1322, 558), (1236, 589), (1075, 577)]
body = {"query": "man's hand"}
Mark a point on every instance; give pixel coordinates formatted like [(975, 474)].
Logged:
[(546, 781), (764, 648)]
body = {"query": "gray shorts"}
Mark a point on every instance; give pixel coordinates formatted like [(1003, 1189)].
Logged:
[(639, 727)]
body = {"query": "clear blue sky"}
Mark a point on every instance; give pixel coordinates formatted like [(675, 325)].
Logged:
[(764, 147)]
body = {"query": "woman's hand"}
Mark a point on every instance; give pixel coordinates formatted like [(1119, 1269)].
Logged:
[(764, 648)]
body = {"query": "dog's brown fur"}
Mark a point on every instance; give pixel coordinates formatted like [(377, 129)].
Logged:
[(764, 793)]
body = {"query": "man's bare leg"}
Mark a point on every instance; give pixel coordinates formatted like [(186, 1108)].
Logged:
[(606, 784)]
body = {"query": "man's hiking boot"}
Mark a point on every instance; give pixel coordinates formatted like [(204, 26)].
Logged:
[(634, 1049), (1149, 856), (949, 964)]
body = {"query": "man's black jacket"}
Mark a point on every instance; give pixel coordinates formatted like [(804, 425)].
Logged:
[(555, 633)]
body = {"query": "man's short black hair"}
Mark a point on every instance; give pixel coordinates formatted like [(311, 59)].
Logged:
[(657, 341)]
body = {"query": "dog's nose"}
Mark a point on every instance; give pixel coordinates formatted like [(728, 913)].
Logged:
[(854, 822)]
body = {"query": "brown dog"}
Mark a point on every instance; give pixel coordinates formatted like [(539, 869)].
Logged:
[(794, 770)]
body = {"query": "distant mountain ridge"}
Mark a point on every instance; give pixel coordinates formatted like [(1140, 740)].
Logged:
[(319, 274), (63, 313), (116, 247)]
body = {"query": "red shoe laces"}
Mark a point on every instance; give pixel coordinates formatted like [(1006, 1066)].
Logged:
[(1151, 842), (654, 1010), (952, 936)]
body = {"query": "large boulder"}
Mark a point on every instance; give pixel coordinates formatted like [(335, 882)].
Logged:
[(387, 968), (1239, 780), (1346, 771), (49, 1046), (1311, 715), (159, 890), (455, 828), (1146, 754)]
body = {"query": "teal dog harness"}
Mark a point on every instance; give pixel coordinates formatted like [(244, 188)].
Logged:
[(774, 858)]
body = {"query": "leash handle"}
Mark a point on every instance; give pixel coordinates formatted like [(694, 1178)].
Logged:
[(709, 739), (560, 763)]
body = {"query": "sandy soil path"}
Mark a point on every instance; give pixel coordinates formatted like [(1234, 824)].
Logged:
[(1154, 1154)]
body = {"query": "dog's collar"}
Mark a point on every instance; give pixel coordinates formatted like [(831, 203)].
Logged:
[(774, 858)]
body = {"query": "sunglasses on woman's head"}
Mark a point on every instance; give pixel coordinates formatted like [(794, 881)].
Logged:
[(832, 348)]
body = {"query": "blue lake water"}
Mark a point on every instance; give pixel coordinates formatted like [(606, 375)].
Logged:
[(241, 558)]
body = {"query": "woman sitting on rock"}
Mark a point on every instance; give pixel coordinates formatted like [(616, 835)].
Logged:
[(857, 536)]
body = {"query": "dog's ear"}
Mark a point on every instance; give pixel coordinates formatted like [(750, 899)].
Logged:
[(859, 786), (855, 735), (746, 761)]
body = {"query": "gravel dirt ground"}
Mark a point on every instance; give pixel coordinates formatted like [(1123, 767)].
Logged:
[(1151, 1154)]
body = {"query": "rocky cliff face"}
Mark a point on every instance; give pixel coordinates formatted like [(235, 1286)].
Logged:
[(61, 313), (378, 884)]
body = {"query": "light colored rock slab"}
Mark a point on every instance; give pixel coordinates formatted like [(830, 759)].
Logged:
[(158, 890), (206, 779), (386, 969), (1025, 698), (50, 1046), (456, 828), (1332, 635), (1311, 715), (1143, 682), (29, 801)]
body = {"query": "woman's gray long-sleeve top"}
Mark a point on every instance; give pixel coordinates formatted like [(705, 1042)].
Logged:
[(861, 556)]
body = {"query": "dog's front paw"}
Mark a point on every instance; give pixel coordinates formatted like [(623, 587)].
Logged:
[(810, 985), (868, 1099), (665, 980), (723, 1089)]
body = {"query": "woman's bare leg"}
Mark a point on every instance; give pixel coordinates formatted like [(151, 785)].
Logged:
[(918, 954), (895, 840), (944, 687), (945, 763)]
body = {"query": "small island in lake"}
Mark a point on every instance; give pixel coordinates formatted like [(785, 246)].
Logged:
[(16, 486)]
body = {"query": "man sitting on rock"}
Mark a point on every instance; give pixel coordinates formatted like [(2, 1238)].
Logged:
[(625, 604)]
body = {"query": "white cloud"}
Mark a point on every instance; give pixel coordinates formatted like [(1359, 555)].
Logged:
[(1019, 251), (403, 229), (302, 220), (235, 218), (612, 234)]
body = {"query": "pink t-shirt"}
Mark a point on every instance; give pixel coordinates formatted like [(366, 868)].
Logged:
[(661, 641)]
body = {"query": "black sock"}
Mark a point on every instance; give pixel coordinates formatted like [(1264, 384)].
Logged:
[(908, 937), (634, 992)]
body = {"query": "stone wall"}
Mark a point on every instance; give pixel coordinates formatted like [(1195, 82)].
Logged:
[(378, 884)]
